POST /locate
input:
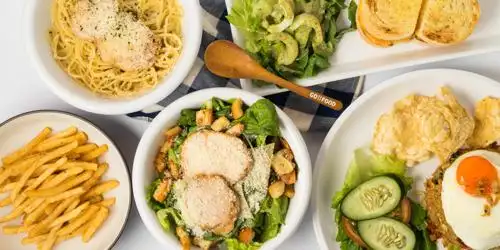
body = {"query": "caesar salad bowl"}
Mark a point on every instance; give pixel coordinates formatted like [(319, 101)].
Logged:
[(206, 149)]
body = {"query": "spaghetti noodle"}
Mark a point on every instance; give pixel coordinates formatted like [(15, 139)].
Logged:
[(81, 60)]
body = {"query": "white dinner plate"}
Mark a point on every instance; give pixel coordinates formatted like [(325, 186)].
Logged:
[(354, 57), (18, 130), (355, 127)]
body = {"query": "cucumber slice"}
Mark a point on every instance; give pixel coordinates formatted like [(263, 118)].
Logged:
[(386, 234), (372, 199)]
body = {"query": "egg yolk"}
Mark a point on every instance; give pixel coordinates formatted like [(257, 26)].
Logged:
[(477, 176)]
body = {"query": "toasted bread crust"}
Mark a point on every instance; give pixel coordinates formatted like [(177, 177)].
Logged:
[(447, 22), (390, 20)]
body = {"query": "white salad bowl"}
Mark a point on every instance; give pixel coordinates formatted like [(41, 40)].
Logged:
[(38, 22), (144, 173)]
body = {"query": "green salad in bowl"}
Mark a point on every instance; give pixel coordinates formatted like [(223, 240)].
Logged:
[(292, 38), (225, 176)]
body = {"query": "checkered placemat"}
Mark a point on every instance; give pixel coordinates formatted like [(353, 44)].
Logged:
[(307, 115)]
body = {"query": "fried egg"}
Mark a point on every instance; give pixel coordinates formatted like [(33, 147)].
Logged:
[(468, 187)]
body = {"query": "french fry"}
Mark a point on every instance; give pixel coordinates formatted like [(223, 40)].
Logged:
[(66, 205), (59, 142), (22, 181), (80, 164), (101, 188), (69, 215), (57, 153), (75, 233), (47, 173), (51, 239), (10, 186), (33, 205), (34, 240), (79, 221), (51, 207), (5, 202), (18, 211), (73, 156), (66, 185), (58, 179), (18, 154), (107, 202), (4, 175), (84, 148), (12, 229), (95, 178), (65, 133), (23, 164), (95, 199), (95, 223), (66, 194), (35, 215), (94, 154)]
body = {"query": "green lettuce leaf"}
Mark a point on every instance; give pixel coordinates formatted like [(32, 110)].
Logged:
[(244, 17), (261, 119), (234, 244), (150, 190), (169, 218), (351, 13), (188, 118), (419, 225), (270, 218)]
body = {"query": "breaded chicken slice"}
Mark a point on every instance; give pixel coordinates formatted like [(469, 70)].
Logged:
[(215, 153), (211, 204)]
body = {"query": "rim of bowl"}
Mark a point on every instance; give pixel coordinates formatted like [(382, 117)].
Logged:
[(125, 105), (85, 120), (197, 98)]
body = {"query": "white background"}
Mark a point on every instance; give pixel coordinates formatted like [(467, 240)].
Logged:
[(22, 90)]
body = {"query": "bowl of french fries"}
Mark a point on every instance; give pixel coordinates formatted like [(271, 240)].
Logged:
[(63, 184)]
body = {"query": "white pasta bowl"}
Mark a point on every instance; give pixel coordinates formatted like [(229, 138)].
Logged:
[(38, 22), (144, 171)]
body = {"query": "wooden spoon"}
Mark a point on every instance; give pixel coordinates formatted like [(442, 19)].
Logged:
[(226, 59)]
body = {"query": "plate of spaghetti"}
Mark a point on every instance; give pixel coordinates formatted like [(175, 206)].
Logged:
[(113, 56)]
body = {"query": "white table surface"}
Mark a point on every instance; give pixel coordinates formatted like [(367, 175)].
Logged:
[(22, 90)]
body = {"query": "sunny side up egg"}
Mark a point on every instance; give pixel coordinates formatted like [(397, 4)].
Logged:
[(466, 183)]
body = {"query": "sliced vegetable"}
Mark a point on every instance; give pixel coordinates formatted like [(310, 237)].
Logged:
[(277, 189), (282, 10), (246, 235), (386, 234), (184, 238), (352, 233), (284, 55), (220, 124), (372, 199), (204, 117), (237, 109)]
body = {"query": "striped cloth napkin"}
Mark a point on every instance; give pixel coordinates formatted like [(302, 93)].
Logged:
[(307, 115)]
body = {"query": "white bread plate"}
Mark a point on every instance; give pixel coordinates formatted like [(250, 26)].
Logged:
[(144, 171), (20, 129), (37, 18), (354, 57)]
